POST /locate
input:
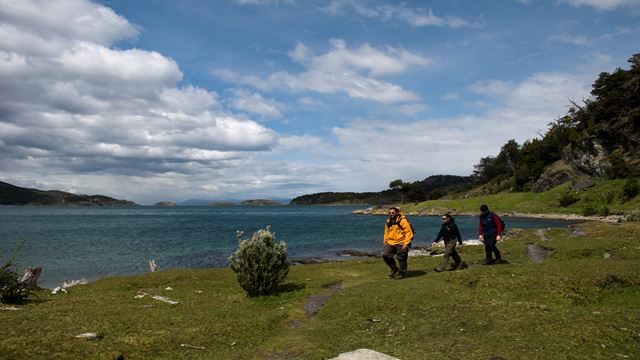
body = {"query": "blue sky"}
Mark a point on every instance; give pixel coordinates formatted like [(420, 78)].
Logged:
[(154, 100)]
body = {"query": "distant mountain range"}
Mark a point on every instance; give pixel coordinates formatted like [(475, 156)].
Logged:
[(15, 195)]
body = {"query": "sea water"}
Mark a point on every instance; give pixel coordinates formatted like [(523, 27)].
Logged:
[(93, 242)]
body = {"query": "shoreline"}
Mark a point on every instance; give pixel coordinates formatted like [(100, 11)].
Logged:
[(382, 210)]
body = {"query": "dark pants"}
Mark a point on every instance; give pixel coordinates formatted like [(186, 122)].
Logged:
[(390, 251), (490, 247), (450, 251)]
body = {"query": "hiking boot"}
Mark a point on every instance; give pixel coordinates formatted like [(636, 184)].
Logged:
[(437, 269), (463, 265), (488, 262), (454, 267), (399, 276), (498, 261), (393, 273)]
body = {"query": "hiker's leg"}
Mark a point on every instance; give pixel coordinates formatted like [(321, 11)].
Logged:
[(388, 253), (489, 248), (402, 256), (448, 249), (496, 252), (456, 257)]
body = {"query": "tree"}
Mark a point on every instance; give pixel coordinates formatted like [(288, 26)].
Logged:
[(398, 184)]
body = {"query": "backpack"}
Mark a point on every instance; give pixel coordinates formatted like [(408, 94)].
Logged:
[(410, 225), (501, 222)]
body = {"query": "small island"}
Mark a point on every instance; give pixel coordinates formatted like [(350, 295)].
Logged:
[(165, 203), (260, 202)]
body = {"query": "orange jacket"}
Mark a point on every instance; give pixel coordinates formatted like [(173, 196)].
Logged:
[(397, 235)]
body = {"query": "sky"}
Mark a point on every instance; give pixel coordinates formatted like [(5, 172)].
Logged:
[(152, 100)]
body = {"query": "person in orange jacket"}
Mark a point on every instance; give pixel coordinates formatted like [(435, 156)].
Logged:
[(397, 240)]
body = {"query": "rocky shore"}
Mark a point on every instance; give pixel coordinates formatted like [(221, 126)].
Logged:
[(382, 210)]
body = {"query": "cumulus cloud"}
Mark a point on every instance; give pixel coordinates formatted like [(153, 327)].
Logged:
[(255, 103), (453, 145), (74, 105), (311, 102), (415, 17), (604, 4), (341, 70)]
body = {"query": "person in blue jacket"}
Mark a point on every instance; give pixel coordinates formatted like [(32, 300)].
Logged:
[(489, 232), (450, 233)]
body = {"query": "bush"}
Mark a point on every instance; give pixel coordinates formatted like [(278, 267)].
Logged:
[(259, 263), (568, 199), (589, 210), (11, 289), (630, 189)]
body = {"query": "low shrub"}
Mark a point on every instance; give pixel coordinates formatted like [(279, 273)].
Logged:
[(589, 210), (630, 189), (259, 263), (11, 289), (568, 199)]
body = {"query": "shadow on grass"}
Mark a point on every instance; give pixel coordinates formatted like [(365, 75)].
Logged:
[(289, 287), (415, 273)]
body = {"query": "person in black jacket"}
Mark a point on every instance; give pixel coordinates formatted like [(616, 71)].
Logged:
[(451, 235), (490, 232)]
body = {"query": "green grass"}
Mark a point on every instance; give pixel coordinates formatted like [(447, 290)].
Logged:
[(577, 304), (605, 194)]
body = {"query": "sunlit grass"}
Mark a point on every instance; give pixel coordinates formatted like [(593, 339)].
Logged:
[(582, 302)]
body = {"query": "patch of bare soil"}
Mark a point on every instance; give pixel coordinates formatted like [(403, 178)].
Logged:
[(537, 253)]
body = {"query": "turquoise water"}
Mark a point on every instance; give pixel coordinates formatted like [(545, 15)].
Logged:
[(93, 242)]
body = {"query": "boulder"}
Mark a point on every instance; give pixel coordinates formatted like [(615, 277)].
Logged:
[(364, 354), (582, 184), (558, 173)]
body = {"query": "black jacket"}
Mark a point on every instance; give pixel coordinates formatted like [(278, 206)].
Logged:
[(449, 231)]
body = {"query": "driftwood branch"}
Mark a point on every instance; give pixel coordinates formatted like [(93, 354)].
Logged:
[(152, 265), (30, 277)]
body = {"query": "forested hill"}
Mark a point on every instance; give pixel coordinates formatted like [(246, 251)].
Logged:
[(15, 195), (432, 187), (599, 138)]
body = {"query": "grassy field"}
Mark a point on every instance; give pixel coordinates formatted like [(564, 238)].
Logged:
[(605, 195), (583, 302)]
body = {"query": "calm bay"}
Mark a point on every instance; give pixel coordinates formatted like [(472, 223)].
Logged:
[(93, 242)]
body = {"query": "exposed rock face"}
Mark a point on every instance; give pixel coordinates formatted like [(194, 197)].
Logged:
[(589, 156), (558, 173)]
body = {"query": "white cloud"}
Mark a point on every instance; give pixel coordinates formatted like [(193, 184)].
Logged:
[(61, 21), (311, 102), (255, 103), (412, 109), (413, 150), (450, 96), (352, 71), (415, 17), (604, 4), (264, 2), (76, 110), (570, 39)]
